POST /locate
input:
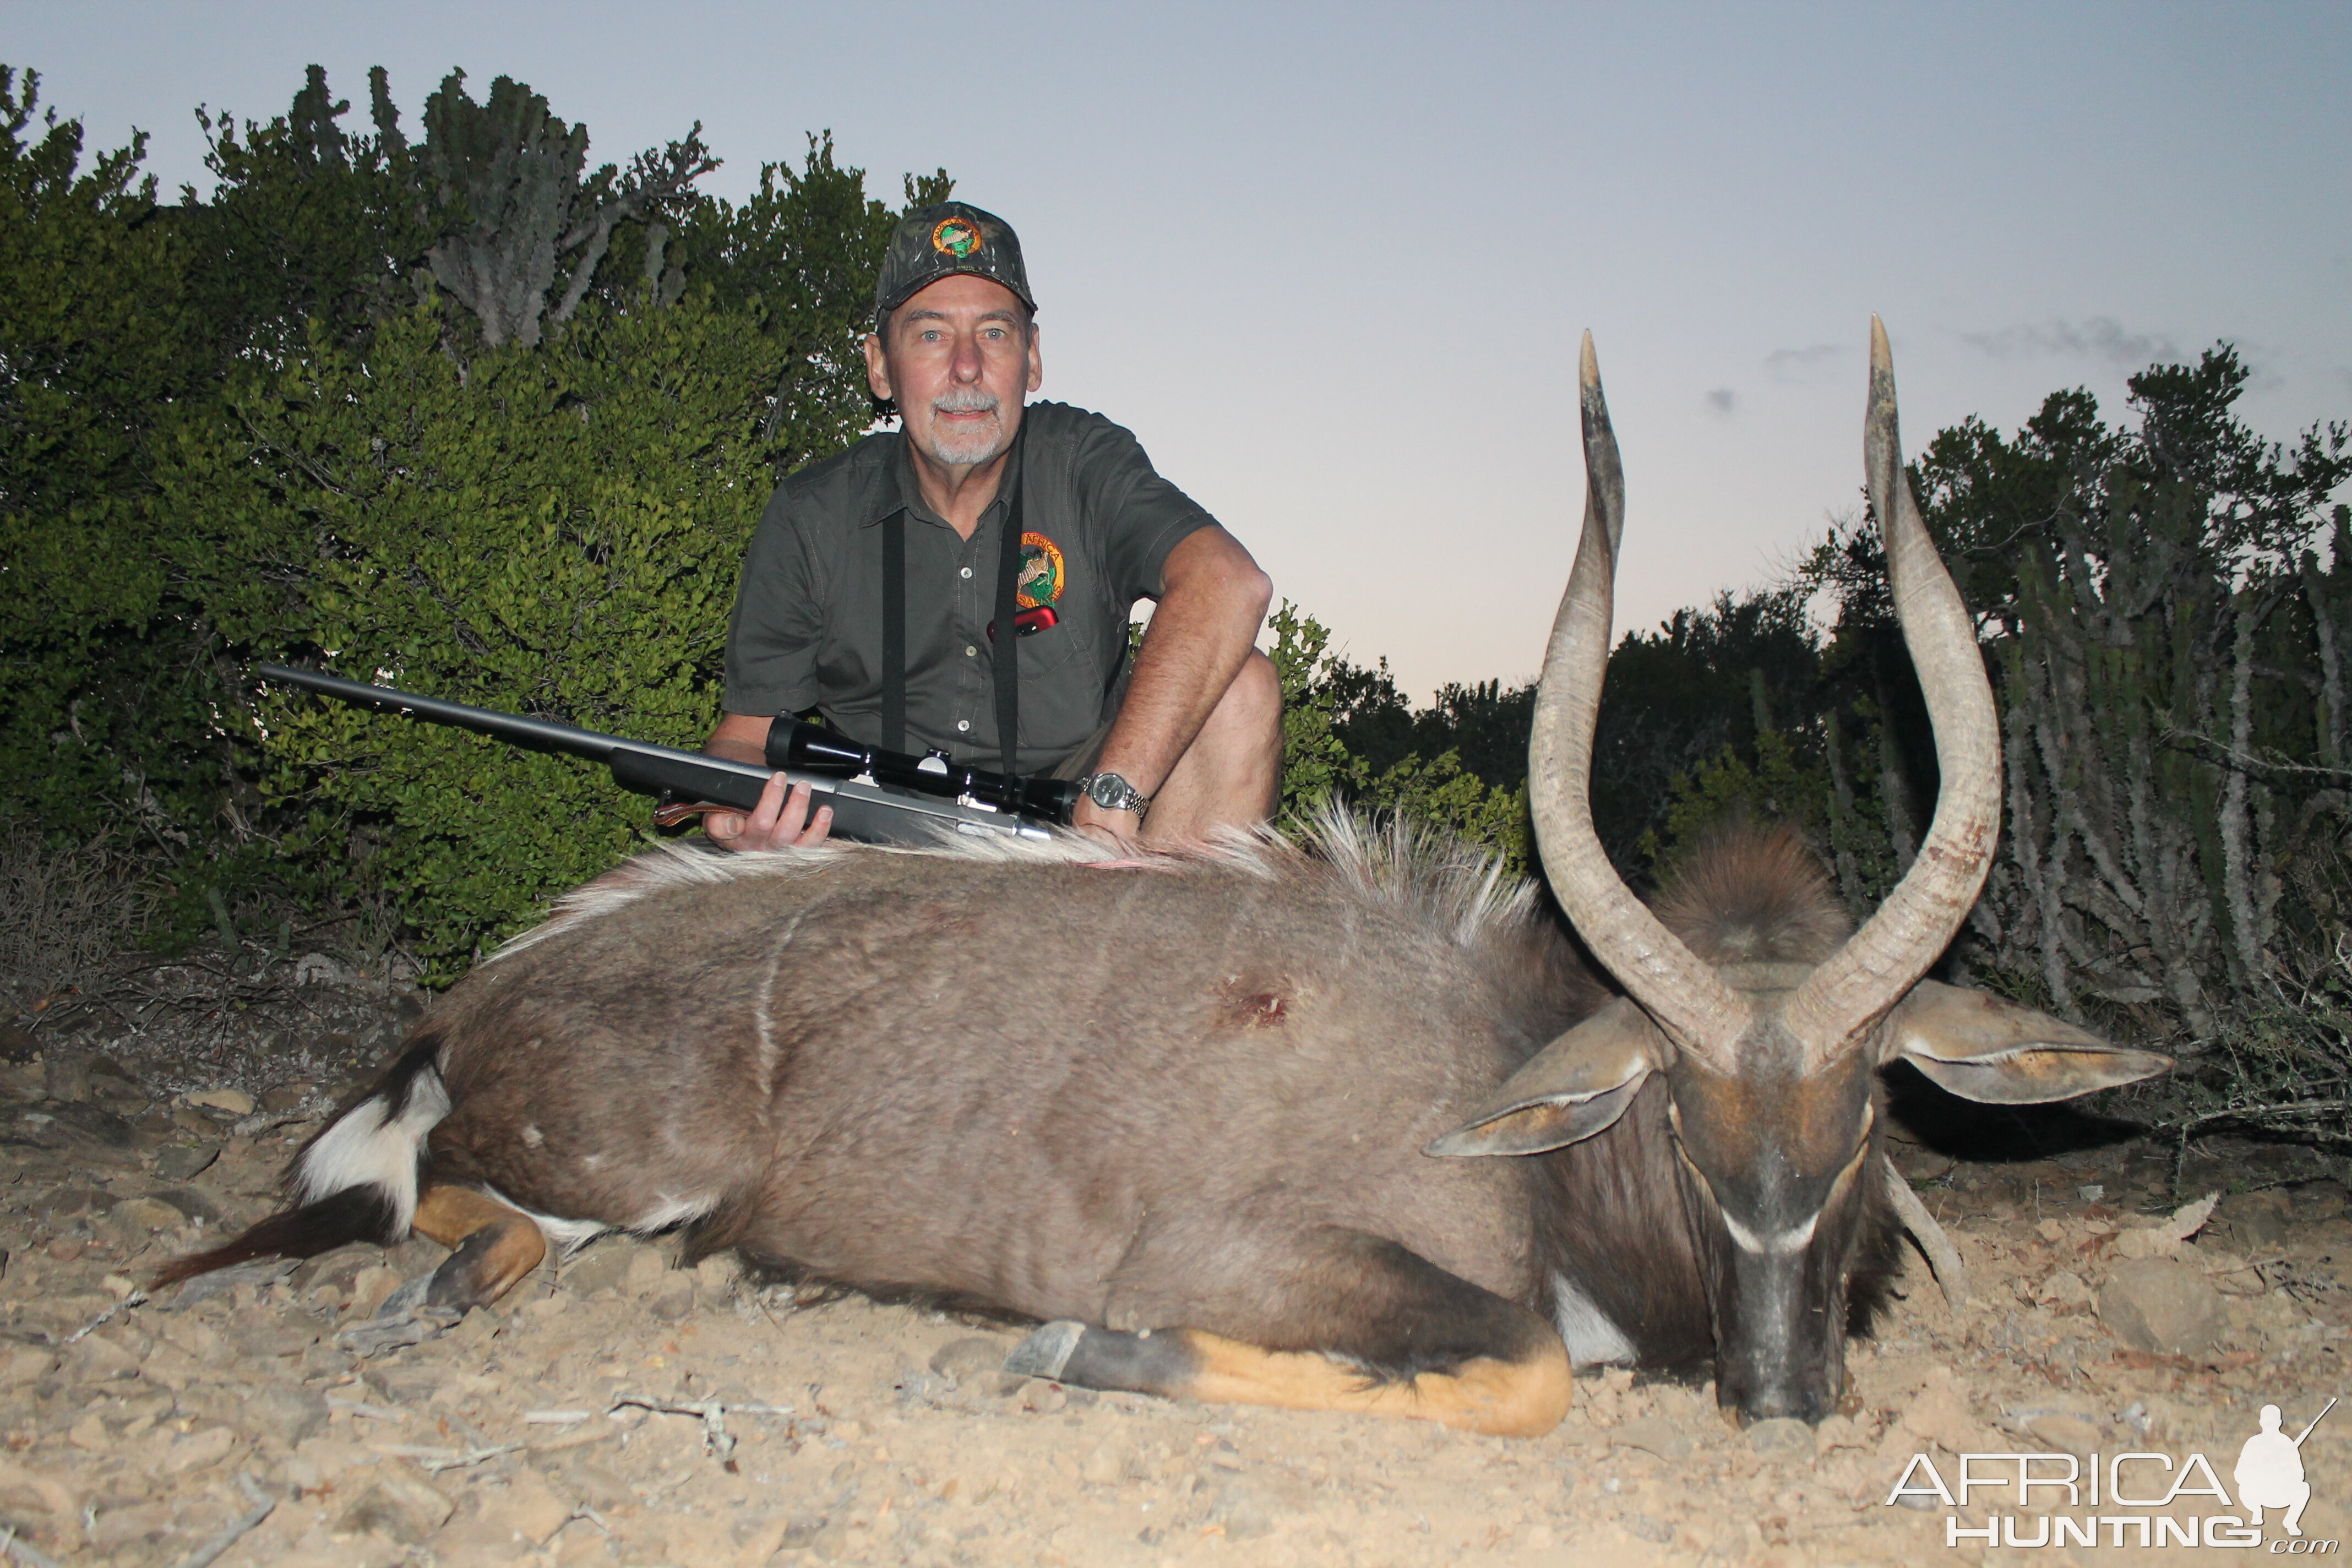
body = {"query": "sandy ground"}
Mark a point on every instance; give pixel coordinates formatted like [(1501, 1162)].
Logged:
[(617, 1410)]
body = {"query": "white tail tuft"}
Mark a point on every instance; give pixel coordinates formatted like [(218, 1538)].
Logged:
[(370, 1146)]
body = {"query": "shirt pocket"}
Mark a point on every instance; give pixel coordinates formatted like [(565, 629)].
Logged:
[(1055, 649)]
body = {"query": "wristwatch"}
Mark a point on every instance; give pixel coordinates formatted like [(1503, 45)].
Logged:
[(1113, 792)]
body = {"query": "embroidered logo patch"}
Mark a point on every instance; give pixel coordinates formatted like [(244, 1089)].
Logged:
[(955, 236), (1043, 577)]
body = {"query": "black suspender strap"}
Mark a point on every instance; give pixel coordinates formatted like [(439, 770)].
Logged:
[(1006, 653), (894, 631), (1008, 634)]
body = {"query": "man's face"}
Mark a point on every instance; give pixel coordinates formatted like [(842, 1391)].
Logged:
[(959, 360)]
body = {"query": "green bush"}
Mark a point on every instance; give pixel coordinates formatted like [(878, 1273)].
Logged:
[(553, 530), (468, 412)]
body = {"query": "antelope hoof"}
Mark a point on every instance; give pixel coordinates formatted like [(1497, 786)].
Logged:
[(487, 1265), (1046, 1351)]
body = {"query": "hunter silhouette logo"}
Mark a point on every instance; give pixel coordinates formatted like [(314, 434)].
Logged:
[(2269, 1471), (2060, 1499)]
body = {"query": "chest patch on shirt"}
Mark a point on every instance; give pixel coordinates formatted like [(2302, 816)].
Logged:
[(1043, 577)]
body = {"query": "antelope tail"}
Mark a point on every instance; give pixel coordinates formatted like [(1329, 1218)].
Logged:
[(356, 1181)]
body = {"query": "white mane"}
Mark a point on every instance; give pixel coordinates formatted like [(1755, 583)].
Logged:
[(1458, 887)]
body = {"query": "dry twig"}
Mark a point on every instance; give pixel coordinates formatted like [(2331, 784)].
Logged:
[(234, 1531)]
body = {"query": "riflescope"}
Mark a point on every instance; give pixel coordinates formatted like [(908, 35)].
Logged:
[(812, 748)]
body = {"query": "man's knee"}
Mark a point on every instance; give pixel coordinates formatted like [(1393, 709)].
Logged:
[(1253, 703)]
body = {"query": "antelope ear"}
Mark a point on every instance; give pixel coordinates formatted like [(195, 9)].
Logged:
[(1983, 1048), (1573, 1087)]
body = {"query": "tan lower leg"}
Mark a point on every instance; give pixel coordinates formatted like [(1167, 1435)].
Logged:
[(493, 1245), (1506, 1399)]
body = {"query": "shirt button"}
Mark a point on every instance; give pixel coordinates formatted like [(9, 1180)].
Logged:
[(965, 572), (970, 651), (964, 723)]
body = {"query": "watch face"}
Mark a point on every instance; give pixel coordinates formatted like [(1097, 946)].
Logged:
[(1110, 792)]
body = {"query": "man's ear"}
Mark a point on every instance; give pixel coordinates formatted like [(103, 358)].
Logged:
[(1036, 360), (878, 368), (1983, 1048), (1572, 1089)]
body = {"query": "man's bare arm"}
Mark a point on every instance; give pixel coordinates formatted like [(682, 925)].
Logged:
[(1214, 601), (743, 738)]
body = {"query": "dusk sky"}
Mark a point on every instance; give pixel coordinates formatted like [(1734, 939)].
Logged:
[(1330, 263)]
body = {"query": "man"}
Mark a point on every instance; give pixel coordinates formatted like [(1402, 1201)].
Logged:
[(875, 586), (2269, 1471)]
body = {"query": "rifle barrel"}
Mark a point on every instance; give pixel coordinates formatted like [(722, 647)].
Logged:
[(541, 734), (874, 814)]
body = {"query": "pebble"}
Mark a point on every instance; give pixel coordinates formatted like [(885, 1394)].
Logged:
[(66, 1076), (399, 1504), (671, 1298), (23, 1363), (1782, 1441), (2160, 1305), (285, 1414), (150, 1214), (529, 1510), (179, 1161), (1653, 1436), (647, 1271), (96, 1358), (236, 1101), (605, 1264), (197, 1450), (1241, 1510), (370, 1286), (2068, 1434), (974, 1358)]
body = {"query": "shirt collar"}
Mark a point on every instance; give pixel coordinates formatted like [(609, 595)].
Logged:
[(898, 490)]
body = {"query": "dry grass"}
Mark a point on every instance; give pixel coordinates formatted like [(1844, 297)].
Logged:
[(2281, 1058), (66, 916)]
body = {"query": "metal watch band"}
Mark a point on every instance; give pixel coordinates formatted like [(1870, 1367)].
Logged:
[(1113, 792)]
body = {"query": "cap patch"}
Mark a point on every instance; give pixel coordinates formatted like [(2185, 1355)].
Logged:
[(954, 236)]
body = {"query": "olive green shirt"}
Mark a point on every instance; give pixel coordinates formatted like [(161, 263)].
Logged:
[(1097, 523)]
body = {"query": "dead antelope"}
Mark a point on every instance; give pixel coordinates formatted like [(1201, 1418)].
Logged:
[(1183, 1116)]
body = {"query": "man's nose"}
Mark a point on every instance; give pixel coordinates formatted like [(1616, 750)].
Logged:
[(967, 362)]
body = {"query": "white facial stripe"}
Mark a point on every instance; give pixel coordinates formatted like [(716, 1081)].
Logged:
[(1793, 1239), (1780, 1244)]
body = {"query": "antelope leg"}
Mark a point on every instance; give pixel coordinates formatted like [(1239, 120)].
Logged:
[(1941, 1256), (1368, 1325), (494, 1245), (1501, 1397)]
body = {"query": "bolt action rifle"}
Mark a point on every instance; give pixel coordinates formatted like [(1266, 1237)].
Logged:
[(877, 796)]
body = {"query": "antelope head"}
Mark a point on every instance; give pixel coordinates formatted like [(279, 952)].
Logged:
[(1770, 1069)]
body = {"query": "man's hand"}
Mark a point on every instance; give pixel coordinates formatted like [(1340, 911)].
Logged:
[(779, 821), (771, 825)]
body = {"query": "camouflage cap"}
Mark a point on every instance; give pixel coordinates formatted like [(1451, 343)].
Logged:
[(935, 242)]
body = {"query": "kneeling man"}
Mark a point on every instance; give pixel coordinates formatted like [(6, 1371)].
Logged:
[(880, 583)]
